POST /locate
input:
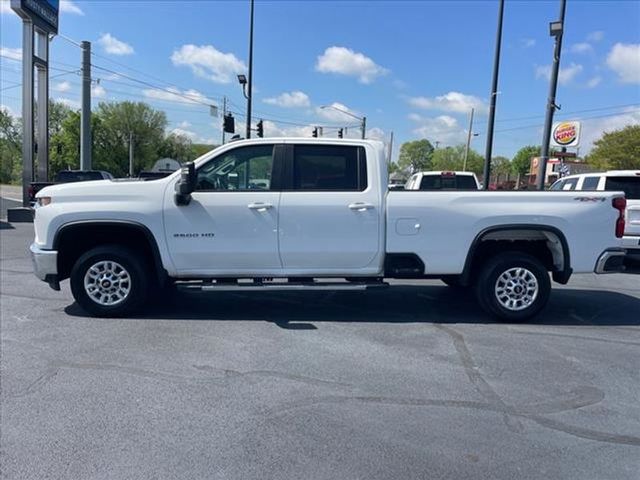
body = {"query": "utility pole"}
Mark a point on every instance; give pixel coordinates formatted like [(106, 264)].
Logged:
[(224, 114), (364, 127), (85, 113), (466, 150), (494, 94), (556, 30), (390, 149), (130, 154), (250, 72)]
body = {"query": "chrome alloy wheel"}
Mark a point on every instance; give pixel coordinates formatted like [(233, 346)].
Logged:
[(516, 289), (107, 283)]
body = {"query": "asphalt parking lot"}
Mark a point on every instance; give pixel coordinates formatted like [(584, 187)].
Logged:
[(410, 382)]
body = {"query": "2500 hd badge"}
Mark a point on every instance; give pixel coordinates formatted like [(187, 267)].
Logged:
[(194, 235)]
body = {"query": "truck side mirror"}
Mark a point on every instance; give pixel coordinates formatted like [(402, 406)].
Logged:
[(186, 185)]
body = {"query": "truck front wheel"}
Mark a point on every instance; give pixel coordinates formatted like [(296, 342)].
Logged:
[(109, 281), (513, 286)]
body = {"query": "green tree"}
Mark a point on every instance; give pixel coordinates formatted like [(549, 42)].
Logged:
[(178, 147), (415, 156), (452, 158), (521, 162), (501, 168), (117, 123), (199, 149), (10, 148), (619, 150)]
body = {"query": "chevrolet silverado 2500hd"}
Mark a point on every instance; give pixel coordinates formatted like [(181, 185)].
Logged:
[(294, 213)]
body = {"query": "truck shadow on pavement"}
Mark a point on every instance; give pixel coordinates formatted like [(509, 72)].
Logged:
[(395, 304)]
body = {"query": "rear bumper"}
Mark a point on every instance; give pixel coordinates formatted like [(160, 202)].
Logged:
[(611, 261), (45, 265)]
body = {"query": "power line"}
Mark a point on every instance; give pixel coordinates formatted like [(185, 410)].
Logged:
[(611, 107), (143, 82), (16, 85)]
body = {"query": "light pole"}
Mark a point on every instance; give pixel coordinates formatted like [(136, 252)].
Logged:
[(494, 94), (555, 30), (363, 120), (250, 95), (469, 135), (242, 80)]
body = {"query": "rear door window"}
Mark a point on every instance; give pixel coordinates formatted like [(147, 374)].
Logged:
[(590, 183), (329, 168), (629, 185)]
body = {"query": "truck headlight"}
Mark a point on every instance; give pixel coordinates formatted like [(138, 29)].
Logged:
[(43, 201)]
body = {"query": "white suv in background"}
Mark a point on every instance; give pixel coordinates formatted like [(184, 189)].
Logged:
[(627, 181)]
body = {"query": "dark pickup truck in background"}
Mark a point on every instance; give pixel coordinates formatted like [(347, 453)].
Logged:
[(68, 176)]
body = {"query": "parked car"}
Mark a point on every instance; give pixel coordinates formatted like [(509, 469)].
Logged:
[(327, 214), (68, 176), (627, 181), (443, 180)]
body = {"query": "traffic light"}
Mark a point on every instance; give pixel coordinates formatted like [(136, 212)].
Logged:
[(229, 123), (260, 129), (339, 133), (315, 132)]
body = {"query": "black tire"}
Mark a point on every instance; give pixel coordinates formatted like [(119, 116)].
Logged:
[(526, 300), (136, 287)]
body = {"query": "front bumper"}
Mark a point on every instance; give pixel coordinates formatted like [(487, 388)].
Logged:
[(45, 264), (611, 261)]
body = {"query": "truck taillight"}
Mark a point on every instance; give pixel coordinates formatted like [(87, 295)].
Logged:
[(620, 204)]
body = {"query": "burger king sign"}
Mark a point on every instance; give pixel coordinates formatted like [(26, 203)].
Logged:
[(566, 134)]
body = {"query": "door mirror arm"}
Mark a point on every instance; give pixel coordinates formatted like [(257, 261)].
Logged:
[(186, 185)]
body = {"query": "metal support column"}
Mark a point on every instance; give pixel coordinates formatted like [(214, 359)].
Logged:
[(85, 113), (27, 110), (42, 65), (364, 127)]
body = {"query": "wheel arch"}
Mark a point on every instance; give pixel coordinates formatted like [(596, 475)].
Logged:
[(86, 234), (555, 242)]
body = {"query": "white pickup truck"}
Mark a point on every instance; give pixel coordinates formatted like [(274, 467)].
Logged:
[(314, 214)]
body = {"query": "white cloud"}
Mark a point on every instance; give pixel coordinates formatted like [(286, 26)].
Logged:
[(595, 36), (566, 75), (450, 102), (593, 128), (14, 53), (112, 45), (172, 94), (345, 61), (624, 59), (62, 87), (443, 129), (68, 6), (5, 6), (594, 82), (184, 133), (582, 47), (271, 129), (73, 104), (208, 62), (334, 115), (528, 42), (98, 91), (376, 133), (184, 125), (289, 100)]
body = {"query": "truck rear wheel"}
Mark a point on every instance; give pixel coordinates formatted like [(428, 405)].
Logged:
[(513, 286), (109, 281)]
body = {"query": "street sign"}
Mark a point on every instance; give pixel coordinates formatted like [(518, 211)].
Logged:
[(566, 134), (43, 13)]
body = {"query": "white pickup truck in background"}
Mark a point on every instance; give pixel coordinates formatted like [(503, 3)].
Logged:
[(305, 213)]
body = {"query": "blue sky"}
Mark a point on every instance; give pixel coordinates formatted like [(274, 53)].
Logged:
[(414, 68)]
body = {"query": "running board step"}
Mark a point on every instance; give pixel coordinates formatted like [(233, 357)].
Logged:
[(249, 287)]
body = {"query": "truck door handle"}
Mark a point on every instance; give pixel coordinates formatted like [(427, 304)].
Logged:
[(260, 206), (361, 206)]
